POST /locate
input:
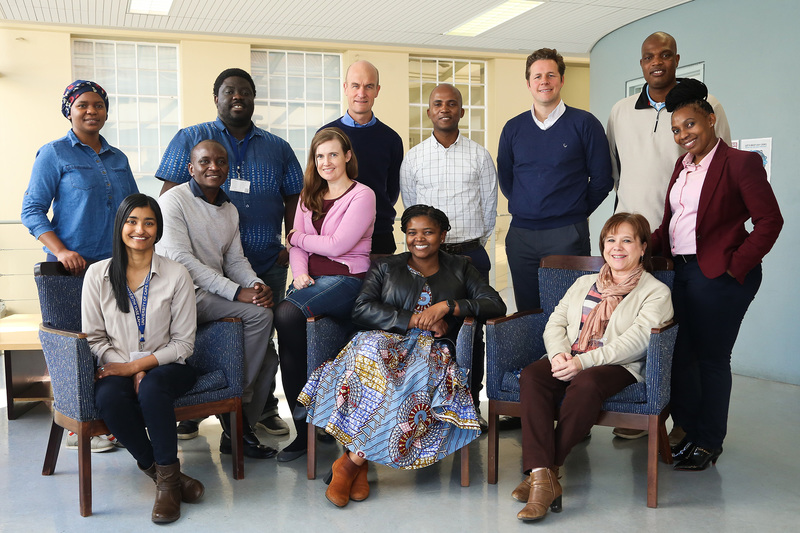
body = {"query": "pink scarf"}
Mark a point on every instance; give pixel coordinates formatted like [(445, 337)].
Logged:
[(612, 294)]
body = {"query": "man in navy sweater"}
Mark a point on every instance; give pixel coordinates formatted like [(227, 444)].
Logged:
[(378, 148), (554, 167)]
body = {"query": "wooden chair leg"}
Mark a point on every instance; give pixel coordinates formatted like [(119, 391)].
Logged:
[(311, 459), (464, 453), (652, 460), (237, 444), (53, 447), (85, 469), (494, 441), (663, 439)]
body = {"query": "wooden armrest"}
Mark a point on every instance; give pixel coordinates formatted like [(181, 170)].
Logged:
[(664, 327), (228, 319), (469, 320), (312, 319), (63, 332), (499, 320)]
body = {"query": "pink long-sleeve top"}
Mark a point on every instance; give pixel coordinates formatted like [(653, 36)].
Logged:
[(346, 235)]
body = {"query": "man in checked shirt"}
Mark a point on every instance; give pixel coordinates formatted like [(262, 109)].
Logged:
[(457, 175)]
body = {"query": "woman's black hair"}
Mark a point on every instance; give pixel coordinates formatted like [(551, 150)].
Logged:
[(429, 211), (688, 92), (117, 271)]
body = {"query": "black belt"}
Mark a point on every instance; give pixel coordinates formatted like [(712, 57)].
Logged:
[(682, 259), (461, 247)]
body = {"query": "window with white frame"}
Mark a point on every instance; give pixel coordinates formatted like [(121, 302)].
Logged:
[(141, 80), (296, 94), (468, 76)]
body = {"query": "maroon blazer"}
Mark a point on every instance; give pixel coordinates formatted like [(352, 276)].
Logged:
[(735, 190)]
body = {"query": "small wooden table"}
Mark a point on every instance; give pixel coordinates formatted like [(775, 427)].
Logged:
[(29, 383)]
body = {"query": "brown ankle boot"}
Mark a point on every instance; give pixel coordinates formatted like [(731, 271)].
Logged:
[(523, 490), (191, 489), (360, 489), (344, 472), (545, 493), (167, 507)]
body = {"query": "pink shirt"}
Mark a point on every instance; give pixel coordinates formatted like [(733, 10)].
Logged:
[(683, 200), (346, 235)]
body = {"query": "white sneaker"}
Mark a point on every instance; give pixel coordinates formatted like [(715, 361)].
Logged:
[(96, 444)]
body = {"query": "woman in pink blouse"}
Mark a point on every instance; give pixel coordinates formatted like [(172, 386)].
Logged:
[(714, 190), (329, 256)]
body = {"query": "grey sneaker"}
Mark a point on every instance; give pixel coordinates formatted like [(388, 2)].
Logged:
[(97, 444)]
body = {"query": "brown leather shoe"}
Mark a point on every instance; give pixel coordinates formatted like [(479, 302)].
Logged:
[(167, 507), (545, 493), (344, 473), (360, 489), (523, 490), (191, 489)]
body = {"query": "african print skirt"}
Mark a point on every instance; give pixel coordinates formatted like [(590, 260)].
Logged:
[(393, 399)]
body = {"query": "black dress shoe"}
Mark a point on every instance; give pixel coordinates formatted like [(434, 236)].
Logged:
[(253, 449), (683, 449), (507, 423), (699, 459)]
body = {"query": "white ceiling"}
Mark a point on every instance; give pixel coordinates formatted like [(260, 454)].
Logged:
[(571, 26)]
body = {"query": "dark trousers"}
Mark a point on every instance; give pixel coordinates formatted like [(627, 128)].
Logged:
[(275, 279), (709, 313), (525, 249), (581, 400), (480, 260), (127, 415), (290, 322)]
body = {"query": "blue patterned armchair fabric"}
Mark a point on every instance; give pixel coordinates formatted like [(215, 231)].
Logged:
[(515, 341), (217, 357), (217, 353)]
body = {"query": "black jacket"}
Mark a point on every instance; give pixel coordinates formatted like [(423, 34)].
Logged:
[(390, 292)]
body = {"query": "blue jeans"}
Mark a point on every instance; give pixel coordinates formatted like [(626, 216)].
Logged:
[(329, 295)]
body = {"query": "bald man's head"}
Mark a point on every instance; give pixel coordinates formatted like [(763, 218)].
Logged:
[(361, 88), (659, 61)]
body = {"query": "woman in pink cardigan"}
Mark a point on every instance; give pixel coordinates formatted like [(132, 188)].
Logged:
[(329, 256)]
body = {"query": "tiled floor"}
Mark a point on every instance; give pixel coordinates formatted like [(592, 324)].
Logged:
[(755, 486)]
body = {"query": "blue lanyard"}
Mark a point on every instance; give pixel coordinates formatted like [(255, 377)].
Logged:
[(241, 151), (141, 316)]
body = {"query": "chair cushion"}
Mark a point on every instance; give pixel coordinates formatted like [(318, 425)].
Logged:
[(209, 382)]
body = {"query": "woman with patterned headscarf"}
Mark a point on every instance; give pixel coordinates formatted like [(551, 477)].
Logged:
[(84, 178)]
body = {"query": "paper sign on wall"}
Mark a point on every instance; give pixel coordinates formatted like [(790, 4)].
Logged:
[(762, 147)]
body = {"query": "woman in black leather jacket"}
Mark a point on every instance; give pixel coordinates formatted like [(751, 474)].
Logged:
[(395, 395)]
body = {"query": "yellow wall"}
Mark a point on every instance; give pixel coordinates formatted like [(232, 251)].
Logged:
[(35, 66)]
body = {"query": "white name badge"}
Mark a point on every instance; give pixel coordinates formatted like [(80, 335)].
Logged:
[(138, 355), (240, 186)]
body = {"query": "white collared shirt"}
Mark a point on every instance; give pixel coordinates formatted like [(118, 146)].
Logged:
[(460, 180), (552, 118)]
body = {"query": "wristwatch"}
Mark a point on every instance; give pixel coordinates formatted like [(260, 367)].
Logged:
[(451, 307)]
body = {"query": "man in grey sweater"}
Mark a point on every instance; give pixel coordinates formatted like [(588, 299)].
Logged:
[(201, 231)]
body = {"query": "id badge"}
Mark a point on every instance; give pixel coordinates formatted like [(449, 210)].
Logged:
[(240, 186), (138, 355)]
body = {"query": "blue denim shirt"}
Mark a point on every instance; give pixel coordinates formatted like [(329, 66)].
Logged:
[(269, 165), (85, 189)]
